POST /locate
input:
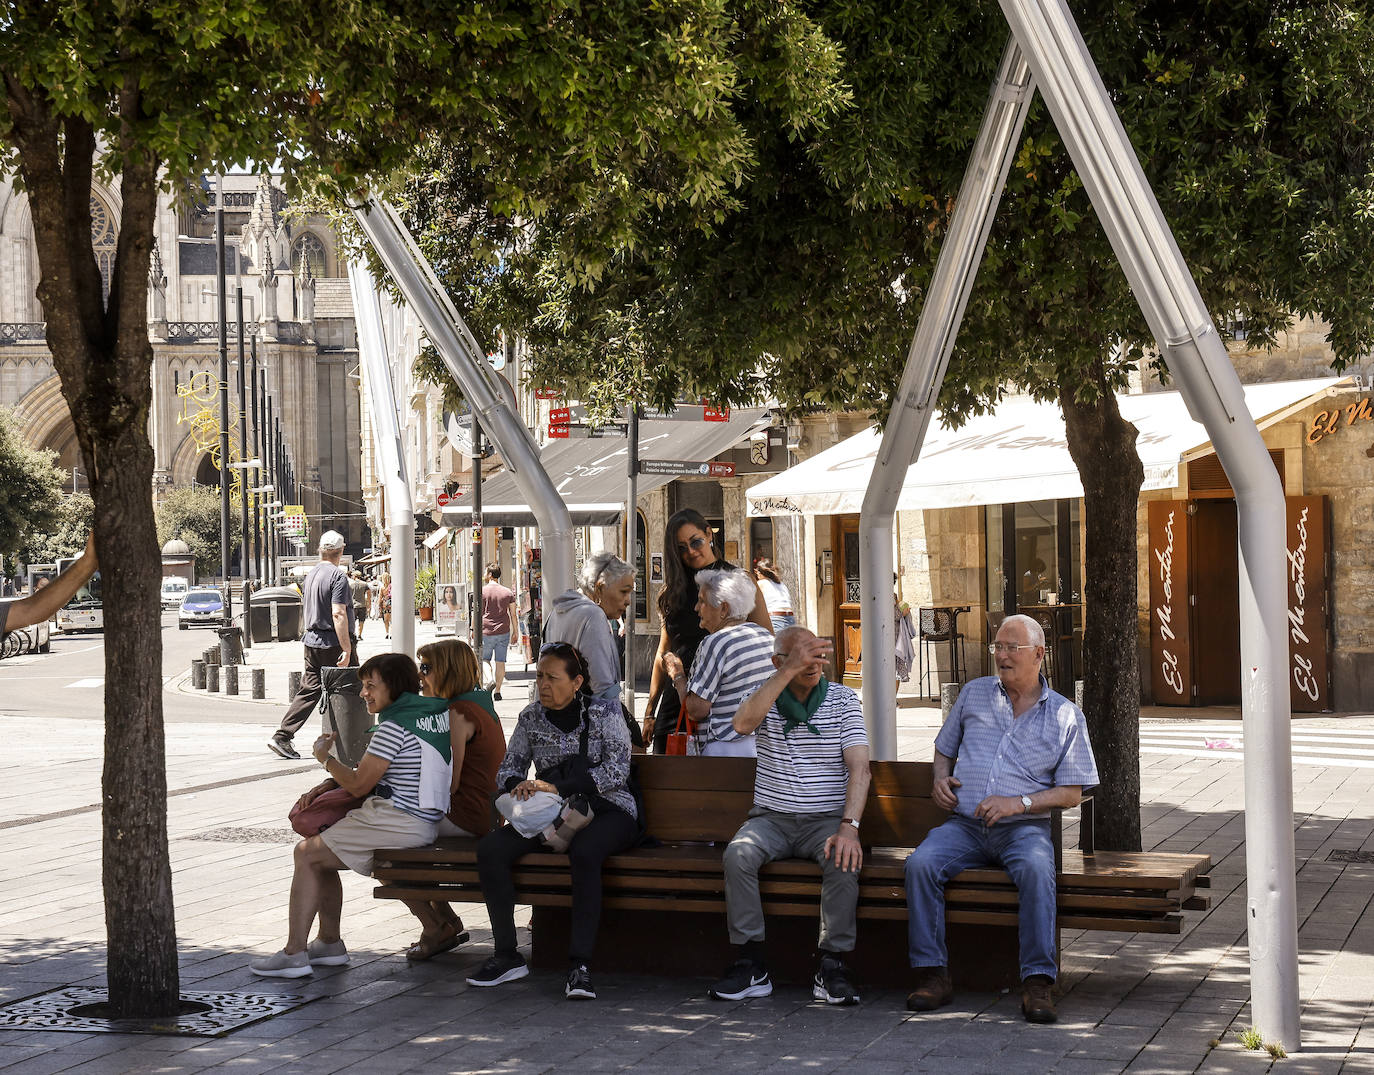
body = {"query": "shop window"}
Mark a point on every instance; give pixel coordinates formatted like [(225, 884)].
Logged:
[(1033, 555), (760, 541)]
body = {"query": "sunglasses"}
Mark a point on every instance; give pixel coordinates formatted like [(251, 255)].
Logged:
[(557, 647), (696, 544)]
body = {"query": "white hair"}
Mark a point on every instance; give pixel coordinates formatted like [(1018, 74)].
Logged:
[(604, 567), (1034, 631), (731, 587)]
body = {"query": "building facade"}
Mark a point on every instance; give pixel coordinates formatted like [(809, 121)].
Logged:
[(298, 331)]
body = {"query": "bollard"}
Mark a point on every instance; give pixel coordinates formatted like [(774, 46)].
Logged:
[(211, 655), (198, 673), (230, 646), (212, 677), (259, 677), (293, 684), (231, 679), (949, 693)]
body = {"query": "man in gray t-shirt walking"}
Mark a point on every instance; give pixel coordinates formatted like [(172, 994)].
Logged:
[(330, 632)]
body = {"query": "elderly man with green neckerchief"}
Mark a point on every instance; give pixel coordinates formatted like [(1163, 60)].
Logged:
[(809, 792)]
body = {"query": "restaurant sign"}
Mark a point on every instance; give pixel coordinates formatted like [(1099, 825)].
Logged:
[(1172, 567)]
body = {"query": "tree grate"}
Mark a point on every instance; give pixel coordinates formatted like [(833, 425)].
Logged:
[(1340, 855), (204, 1015)]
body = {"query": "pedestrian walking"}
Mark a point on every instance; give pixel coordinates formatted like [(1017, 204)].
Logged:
[(330, 634)]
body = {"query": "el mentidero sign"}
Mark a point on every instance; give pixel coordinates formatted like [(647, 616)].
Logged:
[(1172, 611)]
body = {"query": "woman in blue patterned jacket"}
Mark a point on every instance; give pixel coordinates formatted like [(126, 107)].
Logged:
[(579, 746)]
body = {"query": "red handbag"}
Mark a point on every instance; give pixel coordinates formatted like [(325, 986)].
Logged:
[(677, 739), (322, 811)]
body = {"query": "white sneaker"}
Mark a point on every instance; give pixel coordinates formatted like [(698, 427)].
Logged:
[(282, 965), (321, 954)]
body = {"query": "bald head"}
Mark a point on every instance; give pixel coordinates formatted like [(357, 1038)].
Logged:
[(788, 637), (794, 644)]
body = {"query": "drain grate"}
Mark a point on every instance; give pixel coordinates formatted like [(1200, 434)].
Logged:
[(1350, 856), (247, 836), (213, 1014)]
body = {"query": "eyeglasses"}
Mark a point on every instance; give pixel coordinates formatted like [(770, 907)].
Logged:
[(424, 668), (696, 544), (1007, 647)]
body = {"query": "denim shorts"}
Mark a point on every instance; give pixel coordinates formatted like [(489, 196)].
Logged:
[(494, 647)]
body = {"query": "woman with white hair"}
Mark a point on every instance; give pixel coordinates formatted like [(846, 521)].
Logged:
[(582, 618), (733, 661)]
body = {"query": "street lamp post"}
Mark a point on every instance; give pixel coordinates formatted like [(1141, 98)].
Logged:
[(223, 405), (258, 572), (244, 570)]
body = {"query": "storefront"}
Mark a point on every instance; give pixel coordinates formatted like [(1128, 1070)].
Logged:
[(990, 520)]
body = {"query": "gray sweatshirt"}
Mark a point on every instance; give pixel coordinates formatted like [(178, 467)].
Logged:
[(577, 619)]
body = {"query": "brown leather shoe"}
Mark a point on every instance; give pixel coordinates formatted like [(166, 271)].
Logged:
[(934, 989), (1037, 1000)]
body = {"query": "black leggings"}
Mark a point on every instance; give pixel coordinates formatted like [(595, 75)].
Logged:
[(610, 831)]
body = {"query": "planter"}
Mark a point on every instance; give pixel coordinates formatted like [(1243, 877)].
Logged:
[(426, 613)]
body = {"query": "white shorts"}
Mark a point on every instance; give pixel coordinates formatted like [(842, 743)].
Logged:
[(375, 825)]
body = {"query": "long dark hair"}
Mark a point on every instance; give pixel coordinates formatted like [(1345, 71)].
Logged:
[(676, 582)]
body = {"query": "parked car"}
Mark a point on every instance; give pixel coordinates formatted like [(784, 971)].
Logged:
[(173, 590), (35, 639), (202, 605)]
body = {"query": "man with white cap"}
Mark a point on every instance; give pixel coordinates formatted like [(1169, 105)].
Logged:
[(327, 607)]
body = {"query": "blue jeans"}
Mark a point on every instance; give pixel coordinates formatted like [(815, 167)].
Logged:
[(781, 622), (1023, 848)]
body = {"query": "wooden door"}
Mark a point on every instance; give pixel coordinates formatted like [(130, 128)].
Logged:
[(848, 632), (1216, 610)]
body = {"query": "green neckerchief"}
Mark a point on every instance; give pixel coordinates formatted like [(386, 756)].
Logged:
[(794, 712), (416, 715), (478, 696)]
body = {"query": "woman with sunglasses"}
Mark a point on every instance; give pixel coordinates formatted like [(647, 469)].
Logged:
[(578, 745), (687, 549), (448, 669)]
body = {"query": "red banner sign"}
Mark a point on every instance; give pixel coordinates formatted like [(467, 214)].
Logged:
[(714, 414), (558, 432), (560, 415)]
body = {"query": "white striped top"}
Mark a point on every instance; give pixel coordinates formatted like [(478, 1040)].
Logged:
[(804, 773), (393, 743), (730, 665)]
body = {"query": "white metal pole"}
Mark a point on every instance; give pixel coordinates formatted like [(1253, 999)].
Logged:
[(467, 363), (1183, 328), (915, 400), (399, 501)]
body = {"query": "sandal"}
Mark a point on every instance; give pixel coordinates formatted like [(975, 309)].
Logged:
[(425, 949)]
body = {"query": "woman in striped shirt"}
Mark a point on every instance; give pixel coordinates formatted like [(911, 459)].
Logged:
[(405, 775)]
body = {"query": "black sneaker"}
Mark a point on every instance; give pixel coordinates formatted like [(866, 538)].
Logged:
[(744, 979), (832, 983), (579, 985), (498, 970), (283, 748)]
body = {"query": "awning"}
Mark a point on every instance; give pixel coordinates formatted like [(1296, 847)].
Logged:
[(591, 473), (1017, 454), (435, 538), (375, 558)]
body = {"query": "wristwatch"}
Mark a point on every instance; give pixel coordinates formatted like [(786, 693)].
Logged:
[(850, 821), (1025, 801)]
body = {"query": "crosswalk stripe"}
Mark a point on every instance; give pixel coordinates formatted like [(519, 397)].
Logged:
[(1326, 760), (100, 682)]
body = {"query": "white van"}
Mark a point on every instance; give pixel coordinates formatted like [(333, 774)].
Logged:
[(173, 590)]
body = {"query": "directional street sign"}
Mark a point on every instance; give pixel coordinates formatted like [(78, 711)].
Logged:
[(686, 467), (714, 414), (548, 393), (558, 432), (613, 430), (560, 415)]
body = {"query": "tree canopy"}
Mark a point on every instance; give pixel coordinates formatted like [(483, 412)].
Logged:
[(191, 513), (30, 489)]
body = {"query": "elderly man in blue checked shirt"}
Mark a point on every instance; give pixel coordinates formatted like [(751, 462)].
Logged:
[(1011, 750)]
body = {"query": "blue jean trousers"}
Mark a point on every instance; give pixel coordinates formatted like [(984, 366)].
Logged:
[(1023, 848)]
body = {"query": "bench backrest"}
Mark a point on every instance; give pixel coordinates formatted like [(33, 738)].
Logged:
[(709, 798)]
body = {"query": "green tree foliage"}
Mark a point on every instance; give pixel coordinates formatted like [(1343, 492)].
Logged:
[(191, 513), (30, 488), (1253, 122), (65, 536), (602, 114)]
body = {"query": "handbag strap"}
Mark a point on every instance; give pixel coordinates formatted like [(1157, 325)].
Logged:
[(681, 717)]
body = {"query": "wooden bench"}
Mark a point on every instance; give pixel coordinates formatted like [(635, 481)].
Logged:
[(664, 907)]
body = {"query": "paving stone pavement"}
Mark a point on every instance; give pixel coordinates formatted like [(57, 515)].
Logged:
[(1131, 1003)]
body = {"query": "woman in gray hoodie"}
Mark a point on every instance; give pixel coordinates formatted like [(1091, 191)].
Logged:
[(583, 618)]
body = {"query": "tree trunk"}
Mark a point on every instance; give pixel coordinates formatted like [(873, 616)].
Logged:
[(102, 355), (1102, 444)]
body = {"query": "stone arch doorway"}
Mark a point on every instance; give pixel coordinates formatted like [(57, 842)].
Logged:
[(206, 472)]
